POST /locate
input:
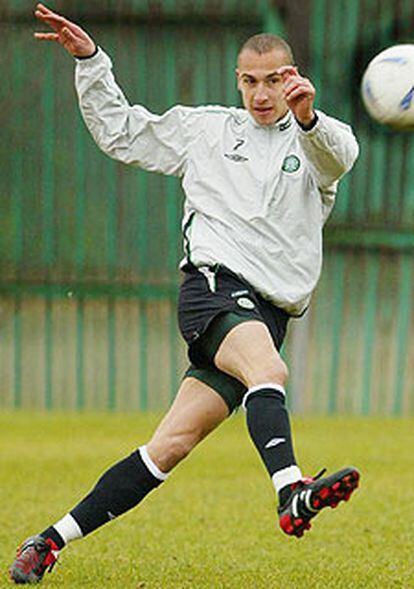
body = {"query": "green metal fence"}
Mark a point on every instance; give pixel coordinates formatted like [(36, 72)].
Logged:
[(88, 272)]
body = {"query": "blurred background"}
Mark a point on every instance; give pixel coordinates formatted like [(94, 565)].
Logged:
[(90, 248)]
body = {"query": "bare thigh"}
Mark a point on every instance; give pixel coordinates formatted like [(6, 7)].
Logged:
[(249, 354), (196, 411)]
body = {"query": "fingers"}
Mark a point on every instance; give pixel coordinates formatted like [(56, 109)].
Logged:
[(287, 70), (44, 11), (42, 7), (296, 88), (46, 36), (300, 91), (55, 22), (51, 18), (68, 35), (72, 37)]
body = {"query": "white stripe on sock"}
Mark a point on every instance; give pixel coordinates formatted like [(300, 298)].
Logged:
[(152, 467), (286, 476), (68, 528), (266, 385)]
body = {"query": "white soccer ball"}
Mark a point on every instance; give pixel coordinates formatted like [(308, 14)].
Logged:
[(387, 87)]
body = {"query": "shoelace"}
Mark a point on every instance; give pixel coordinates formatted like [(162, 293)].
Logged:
[(309, 480), (320, 473)]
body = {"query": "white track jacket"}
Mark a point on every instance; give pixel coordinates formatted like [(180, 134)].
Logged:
[(256, 197)]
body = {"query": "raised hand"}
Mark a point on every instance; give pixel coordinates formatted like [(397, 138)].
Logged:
[(299, 94), (74, 39)]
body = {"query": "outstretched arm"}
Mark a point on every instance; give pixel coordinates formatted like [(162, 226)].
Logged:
[(129, 134), (74, 39)]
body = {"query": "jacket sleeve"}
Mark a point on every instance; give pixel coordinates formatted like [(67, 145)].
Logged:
[(330, 148), (129, 134)]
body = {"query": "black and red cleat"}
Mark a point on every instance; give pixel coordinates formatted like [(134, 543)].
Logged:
[(309, 496), (33, 558)]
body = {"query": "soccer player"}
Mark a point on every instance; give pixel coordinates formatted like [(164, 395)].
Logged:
[(259, 183)]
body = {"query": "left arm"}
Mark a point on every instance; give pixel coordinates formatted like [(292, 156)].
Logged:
[(330, 145)]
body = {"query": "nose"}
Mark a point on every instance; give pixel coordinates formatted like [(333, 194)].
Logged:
[(261, 93)]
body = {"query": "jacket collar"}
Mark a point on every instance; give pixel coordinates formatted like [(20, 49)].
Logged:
[(280, 125)]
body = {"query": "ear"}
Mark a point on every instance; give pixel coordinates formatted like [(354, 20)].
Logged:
[(238, 78)]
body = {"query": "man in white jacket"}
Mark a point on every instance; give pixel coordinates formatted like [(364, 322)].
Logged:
[(259, 184)]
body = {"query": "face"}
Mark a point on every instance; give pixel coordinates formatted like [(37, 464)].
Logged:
[(260, 85)]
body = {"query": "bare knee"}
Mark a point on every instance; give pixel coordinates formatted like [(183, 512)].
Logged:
[(168, 450), (248, 353), (275, 371)]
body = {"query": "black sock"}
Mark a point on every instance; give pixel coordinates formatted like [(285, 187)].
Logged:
[(119, 489), (269, 428)]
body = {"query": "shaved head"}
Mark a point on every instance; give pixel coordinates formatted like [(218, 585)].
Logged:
[(265, 42)]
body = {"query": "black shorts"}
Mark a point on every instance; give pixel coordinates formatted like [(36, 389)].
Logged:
[(212, 301)]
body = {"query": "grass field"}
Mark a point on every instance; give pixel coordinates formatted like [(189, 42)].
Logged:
[(213, 524)]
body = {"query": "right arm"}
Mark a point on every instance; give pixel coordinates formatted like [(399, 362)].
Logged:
[(130, 134)]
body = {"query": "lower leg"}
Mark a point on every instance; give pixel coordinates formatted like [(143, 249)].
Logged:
[(269, 427), (196, 411), (249, 354), (119, 489)]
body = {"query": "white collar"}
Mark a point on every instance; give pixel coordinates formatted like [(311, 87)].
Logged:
[(281, 124)]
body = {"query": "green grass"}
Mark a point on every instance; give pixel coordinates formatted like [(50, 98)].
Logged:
[(213, 524)]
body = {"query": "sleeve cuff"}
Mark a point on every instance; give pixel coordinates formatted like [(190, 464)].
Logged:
[(86, 57), (309, 127)]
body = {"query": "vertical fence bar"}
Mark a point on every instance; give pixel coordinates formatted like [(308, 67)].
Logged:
[(111, 353), (319, 386), (350, 17), (48, 177), (80, 351), (408, 187), (111, 404), (173, 223), (49, 353), (47, 198), (231, 49), (173, 338), (370, 305), (394, 179), (17, 340), (142, 184), (111, 241), (199, 89), (333, 60), (143, 355), (142, 242), (171, 196), (352, 304), (403, 318), (359, 210), (378, 178), (80, 236), (17, 212), (317, 44), (271, 19), (17, 160), (336, 332)]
